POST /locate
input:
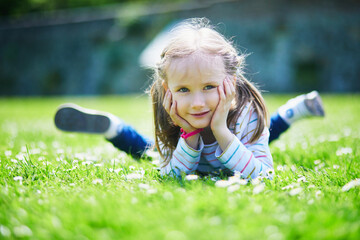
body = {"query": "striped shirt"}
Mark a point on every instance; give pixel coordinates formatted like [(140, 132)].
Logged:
[(240, 155)]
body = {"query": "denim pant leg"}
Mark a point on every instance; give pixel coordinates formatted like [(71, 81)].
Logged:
[(277, 126), (131, 142)]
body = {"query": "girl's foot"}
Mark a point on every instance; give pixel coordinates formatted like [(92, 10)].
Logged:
[(72, 118), (302, 106)]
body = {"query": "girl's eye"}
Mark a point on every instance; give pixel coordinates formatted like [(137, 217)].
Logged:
[(183, 90), (209, 87)]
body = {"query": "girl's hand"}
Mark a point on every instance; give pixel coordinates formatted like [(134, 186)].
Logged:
[(171, 109), (226, 96)]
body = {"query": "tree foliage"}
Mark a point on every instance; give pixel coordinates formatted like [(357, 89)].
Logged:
[(17, 8)]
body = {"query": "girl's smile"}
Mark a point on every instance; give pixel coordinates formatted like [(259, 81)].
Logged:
[(199, 115), (193, 82)]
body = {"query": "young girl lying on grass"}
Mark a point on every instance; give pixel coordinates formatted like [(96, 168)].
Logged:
[(208, 116)]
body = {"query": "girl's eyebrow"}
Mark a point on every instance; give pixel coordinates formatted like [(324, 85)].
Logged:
[(180, 85), (211, 83)]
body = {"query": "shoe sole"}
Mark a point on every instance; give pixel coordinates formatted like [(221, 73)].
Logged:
[(315, 98), (74, 119)]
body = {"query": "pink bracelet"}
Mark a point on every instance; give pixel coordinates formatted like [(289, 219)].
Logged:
[(185, 135)]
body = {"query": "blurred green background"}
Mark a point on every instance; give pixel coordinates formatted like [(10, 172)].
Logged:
[(92, 47)]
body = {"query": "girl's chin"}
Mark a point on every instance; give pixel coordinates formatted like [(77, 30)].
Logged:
[(200, 125)]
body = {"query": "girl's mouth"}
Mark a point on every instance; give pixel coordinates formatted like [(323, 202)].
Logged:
[(199, 115)]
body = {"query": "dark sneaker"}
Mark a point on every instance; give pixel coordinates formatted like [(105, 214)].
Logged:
[(73, 118)]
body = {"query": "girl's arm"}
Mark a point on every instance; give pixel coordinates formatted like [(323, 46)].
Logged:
[(250, 159), (235, 152), (187, 154), (218, 122)]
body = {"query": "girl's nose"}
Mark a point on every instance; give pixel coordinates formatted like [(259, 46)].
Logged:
[(198, 100)]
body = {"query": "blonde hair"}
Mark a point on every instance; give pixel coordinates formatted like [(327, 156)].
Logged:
[(189, 37)]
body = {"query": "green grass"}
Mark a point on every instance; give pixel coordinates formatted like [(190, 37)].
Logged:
[(77, 186)]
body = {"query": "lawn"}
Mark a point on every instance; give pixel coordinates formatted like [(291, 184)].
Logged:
[(56, 185)]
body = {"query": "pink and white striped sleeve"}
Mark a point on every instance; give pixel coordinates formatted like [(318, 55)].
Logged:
[(184, 159), (248, 158)]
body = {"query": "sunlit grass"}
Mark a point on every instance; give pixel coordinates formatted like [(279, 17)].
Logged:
[(55, 185)]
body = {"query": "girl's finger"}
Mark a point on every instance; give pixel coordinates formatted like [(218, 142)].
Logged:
[(167, 101), (177, 120), (172, 113), (229, 88), (221, 93)]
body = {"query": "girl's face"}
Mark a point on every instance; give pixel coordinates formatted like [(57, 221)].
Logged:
[(193, 82)]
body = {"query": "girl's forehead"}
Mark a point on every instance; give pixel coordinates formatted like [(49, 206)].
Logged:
[(205, 65)]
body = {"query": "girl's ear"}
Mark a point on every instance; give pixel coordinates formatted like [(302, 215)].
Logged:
[(164, 84)]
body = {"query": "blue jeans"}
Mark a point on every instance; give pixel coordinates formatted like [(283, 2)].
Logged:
[(135, 144)]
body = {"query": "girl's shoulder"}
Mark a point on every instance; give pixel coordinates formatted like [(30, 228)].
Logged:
[(247, 116), (247, 110)]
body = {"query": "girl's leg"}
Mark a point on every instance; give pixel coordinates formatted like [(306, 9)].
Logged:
[(73, 118), (277, 126), (130, 141), (297, 108)]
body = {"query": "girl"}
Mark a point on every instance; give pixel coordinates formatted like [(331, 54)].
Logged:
[(208, 117)]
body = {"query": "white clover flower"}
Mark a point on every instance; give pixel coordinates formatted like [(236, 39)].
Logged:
[(295, 191), (18, 178), (222, 183), (259, 188), (351, 184), (280, 168), (302, 179), (233, 188), (87, 163), (317, 162), (257, 180), (13, 161), (22, 231), (8, 153), (290, 186), (60, 151), (343, 151), (5, 231), (134, 200), (132, 176), (97, 181), (98, 165), (236, 180), (144, 186), (131, 167), (80, 156), (233, 179), (336, 166), (156, 162), (20, 157), (191, 177), (151, 191), (334, 138), (243, 181), (318, 194), (214, 179), (35, 151), (237, 174), (270, 173), (168, 196)]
